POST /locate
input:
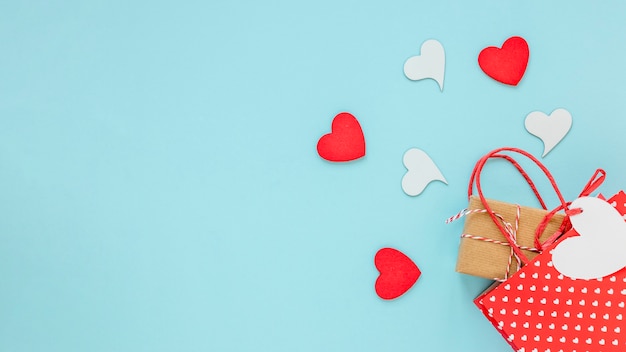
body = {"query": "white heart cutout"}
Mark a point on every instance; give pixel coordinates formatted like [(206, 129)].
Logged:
[(550, 129), (599, 250), (421, 171), (431, 63)]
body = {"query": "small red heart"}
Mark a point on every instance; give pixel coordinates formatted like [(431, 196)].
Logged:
[(345, 142), (397, 273), (506, 65)]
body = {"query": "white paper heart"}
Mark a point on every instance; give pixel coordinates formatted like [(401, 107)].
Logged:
[(431, 63), (421, 171), (599, 250), (550, 129)]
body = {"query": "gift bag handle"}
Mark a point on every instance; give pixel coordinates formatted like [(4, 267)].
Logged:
[(594, 182), (521, 171), (475, 179)]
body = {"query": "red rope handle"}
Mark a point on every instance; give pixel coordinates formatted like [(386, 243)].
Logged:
[(521, 171), (475, 179), (594, 182)]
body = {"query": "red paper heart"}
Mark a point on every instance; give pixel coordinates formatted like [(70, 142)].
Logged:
[(346, 141), (397, 273), (506, 65)]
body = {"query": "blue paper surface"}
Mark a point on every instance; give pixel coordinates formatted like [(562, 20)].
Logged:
[(161, 189)]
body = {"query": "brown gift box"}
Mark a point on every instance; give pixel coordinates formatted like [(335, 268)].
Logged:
[(490, 260)]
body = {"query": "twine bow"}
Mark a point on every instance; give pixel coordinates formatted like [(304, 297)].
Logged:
[(511, 237)]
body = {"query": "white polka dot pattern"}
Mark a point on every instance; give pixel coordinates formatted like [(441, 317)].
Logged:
[(540, 310)]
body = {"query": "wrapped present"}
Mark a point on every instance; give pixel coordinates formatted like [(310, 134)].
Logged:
[(500, 237), (484, 251), (546, 308)]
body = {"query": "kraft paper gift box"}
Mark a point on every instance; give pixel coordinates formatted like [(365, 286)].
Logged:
[(489, 259)]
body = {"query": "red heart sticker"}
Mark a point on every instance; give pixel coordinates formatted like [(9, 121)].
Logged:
[(398, 273), (506, 65), (345, 142)]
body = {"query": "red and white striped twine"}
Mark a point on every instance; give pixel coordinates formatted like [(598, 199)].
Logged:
[(511, 231)]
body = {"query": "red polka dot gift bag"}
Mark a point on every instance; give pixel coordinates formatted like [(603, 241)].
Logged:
[(572, 296)]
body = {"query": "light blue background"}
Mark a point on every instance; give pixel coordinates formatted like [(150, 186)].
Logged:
[(161, 191)]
